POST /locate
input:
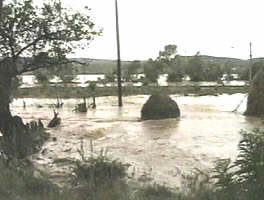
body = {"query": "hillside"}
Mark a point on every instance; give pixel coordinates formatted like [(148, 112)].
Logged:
[(101, 66), (104, 66), (98, 66), (222, 60)]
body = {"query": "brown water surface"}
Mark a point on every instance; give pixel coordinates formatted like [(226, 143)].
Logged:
[(158, 150)]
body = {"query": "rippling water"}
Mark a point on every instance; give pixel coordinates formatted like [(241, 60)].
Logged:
[(159, 149)]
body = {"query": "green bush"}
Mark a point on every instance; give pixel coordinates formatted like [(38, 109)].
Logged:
[(21, 182), (99, 170), (174, 77), (100, 177), (243, 179)]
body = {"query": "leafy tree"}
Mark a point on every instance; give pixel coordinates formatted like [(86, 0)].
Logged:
[(167, 62), (152, 70), (43, 75), (256, 66), (170, 51), (31, 38), (175, 69), (133, 68), (199, 70), (194, 68), (171, 63), (212, 72), (110, 77), (174, 77), (228, 68), (66, 72)]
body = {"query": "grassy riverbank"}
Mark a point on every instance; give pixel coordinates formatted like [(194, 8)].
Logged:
[(80, 92), (100, 177)]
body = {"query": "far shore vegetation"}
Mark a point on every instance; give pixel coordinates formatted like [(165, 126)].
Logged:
[(83, 92)]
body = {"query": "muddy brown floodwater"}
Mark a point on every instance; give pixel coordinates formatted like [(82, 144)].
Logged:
[(158, 150)]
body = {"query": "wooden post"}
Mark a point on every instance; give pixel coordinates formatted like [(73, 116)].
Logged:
[(1, 7), (120, 104)]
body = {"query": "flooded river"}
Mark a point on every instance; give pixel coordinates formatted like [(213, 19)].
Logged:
[(158, 150)]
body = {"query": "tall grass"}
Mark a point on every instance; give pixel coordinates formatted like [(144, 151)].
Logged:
[(99, 177), (18, 181)]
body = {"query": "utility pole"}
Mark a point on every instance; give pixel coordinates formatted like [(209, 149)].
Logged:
[(1, 15), (250, 65), (120, 104), (1, 10)]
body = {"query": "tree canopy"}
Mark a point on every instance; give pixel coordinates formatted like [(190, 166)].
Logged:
[(170, 51), (34, 36)]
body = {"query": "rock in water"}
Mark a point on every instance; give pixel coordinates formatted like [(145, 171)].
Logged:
[(255, 102), (160, 107)]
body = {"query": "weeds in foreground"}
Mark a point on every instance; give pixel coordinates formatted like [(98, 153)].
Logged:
[(99, 169), (244, 179), (99, 177), (155, 192), (23, 183)]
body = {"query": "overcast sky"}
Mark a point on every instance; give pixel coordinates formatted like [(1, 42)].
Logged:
[(213, 27)]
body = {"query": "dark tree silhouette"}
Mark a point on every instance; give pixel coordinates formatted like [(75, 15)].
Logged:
[(33, 37)]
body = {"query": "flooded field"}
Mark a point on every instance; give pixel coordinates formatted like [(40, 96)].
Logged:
[(157, 150), (83, 80)]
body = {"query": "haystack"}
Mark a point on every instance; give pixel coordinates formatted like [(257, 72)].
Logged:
[(160, 107)]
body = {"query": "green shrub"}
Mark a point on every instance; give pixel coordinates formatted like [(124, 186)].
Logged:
[(20, 182), (244, 178), (100, 169), (196, 186), (100, 177), (222, 175), (174, 77)]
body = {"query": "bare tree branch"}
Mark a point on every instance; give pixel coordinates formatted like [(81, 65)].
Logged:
[(28, 46)]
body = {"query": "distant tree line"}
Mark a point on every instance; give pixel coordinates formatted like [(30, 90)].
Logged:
[(66, 72), (197, 68)]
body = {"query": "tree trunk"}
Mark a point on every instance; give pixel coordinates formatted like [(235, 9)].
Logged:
[(18, 140), (12, 128), (5, 90)]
